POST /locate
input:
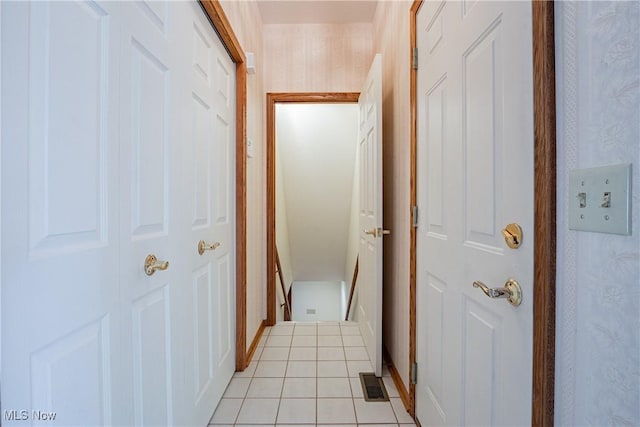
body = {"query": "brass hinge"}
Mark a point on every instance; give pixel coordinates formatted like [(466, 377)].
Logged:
[(415, 58), (414, 216), (414, 373)]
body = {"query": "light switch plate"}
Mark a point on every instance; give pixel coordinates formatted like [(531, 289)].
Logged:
[(251, 151), (600, 199)]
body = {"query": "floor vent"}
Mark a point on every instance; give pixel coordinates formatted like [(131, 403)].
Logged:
[(373, 388)]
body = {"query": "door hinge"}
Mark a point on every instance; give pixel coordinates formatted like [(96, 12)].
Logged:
[(414, 373), (414, 216), (414, 60)]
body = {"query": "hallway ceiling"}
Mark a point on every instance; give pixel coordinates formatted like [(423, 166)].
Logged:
[(317, 11)]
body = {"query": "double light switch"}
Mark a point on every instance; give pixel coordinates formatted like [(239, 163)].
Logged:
[(600, 199)]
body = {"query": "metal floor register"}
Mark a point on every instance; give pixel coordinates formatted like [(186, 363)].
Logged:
[(373, 388)]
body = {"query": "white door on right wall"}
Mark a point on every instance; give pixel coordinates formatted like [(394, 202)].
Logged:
[(475, 176), (370, 214)]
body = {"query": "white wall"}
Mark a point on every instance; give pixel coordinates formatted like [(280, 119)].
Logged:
[(282, 240), (328, 299), (353, 242), (598, 279), (316, 151)]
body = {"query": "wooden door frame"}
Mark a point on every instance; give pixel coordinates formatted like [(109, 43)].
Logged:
[(222, 26), (272, 100), (544, 286)]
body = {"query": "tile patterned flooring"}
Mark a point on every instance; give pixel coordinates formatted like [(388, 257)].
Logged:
[(307, 374)]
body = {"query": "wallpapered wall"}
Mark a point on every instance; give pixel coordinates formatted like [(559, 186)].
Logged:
[(317, 57), (598, 282), (391, 38), (246, 22)]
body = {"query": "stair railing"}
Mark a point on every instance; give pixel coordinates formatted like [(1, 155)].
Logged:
[(353, 288), (287, 297)]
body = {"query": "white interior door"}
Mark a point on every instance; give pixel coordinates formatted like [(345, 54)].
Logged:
[(149, 208), (209, 161), (475, 176), (60, 313), (370, 214)]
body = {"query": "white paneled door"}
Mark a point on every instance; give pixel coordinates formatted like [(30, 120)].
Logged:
[(120, 146), (61, 335), (209, 164), (370, 213), (149, 185), (475, 176)]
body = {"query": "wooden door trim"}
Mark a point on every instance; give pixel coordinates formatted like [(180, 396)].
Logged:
[(272, 100), (413, 199), (544, 282), (544, 286), (222, 26)]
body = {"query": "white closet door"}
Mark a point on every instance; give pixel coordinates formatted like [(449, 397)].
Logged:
[(120, 145), (224, 218), (210, 158), (149, 207), (60, 213)]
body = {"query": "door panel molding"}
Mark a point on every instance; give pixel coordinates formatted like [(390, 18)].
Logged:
[(272, 99), (221, 24), (544, 211)]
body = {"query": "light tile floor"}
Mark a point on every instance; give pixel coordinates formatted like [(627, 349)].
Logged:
[(307, 374)]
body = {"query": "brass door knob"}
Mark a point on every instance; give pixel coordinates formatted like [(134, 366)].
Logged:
[(151, 264), (202, 246)]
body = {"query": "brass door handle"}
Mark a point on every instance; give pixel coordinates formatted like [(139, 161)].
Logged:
[(151, 264), (202, 246), (373, 232), (376, 232), (511, 291)]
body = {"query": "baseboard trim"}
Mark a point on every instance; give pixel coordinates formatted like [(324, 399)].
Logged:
[(256, 340), (397, 380)]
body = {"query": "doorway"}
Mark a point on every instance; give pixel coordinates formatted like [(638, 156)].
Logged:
[(282, 104)]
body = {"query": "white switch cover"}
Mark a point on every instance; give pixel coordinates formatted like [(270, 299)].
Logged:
[(251, 151), (600, 199)]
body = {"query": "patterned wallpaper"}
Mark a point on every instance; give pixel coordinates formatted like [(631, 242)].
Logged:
[(245, 19), (317, 57), (391, 39), (598, 281)]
